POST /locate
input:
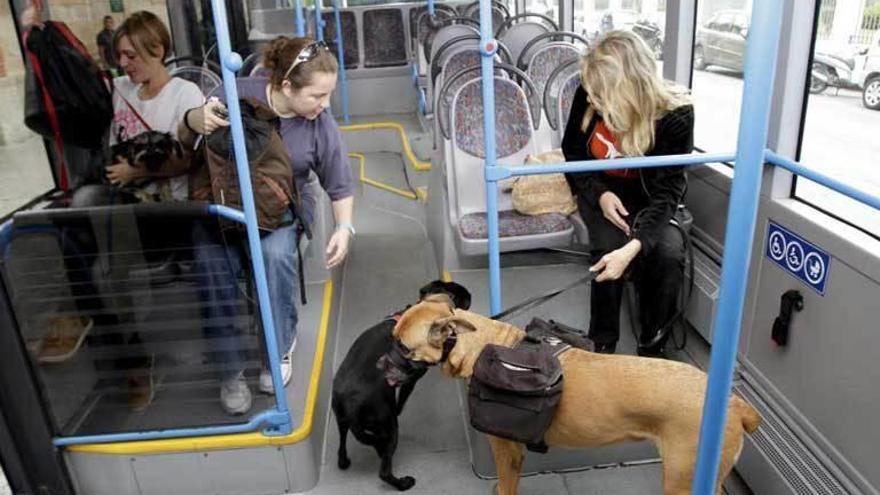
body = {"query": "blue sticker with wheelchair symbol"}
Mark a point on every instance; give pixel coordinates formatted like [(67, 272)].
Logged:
[(798, 257)]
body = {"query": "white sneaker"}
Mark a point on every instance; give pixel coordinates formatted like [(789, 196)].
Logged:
[(266, 385), (235, 396)]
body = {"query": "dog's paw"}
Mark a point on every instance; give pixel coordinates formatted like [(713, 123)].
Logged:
[(344, 463), (405, 483)]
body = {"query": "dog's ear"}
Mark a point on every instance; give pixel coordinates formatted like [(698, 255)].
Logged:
[(440, 298), (444, 327)]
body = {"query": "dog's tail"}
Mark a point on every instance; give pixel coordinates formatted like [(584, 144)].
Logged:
[(750, 417)]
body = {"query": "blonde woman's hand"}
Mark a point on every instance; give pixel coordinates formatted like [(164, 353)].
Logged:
[(613, 210), (337, 248), (613, 265)]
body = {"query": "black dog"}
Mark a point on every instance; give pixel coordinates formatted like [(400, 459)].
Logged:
[(364, 403), (150, 149)]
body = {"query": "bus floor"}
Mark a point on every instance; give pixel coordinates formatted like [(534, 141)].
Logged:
[(388, 262)]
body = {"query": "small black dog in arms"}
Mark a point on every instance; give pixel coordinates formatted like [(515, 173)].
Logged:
[(150, 150), (365, 403)]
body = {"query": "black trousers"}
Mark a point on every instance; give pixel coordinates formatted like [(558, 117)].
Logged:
[(657, 273)]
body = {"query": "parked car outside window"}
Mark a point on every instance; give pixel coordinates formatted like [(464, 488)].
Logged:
[(722, 41)]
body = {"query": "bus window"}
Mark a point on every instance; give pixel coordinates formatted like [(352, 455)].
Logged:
[(24, 167), (592, 18), (843, 110), (719, 49)]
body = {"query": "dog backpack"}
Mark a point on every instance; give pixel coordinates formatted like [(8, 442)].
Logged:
[(539, 330), (513, 393)]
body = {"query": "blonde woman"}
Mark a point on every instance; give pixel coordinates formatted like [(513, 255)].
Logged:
[(624, 109)]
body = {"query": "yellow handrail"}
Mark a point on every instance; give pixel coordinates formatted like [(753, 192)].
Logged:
[(381, 185), (404, 140)]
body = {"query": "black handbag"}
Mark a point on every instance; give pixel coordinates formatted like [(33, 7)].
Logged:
[(513, 393)]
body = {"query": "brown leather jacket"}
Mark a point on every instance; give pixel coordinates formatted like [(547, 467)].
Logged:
[(214, 176)]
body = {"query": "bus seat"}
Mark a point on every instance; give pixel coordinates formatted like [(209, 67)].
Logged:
[(463, 58), (558, 93), (546, 59), (442, 39), (433, 42), (452, 82), (420, 23), (500, 12), (514, 136), (518, 36), (541, 62)]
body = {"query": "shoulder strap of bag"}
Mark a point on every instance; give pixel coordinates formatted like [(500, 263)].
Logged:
[(134, 111), (51, 112)]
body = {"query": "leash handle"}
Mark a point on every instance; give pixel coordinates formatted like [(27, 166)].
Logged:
[(541, 299)]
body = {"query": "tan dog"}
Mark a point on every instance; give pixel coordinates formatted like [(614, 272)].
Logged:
[(605, 398)]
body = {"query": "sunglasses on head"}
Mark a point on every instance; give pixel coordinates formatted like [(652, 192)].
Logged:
[(308, 52)]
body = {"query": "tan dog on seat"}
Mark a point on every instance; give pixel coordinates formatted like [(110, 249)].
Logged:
[(605, 398)]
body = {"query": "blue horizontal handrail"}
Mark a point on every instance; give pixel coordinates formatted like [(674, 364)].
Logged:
[(825, 180), (502, 172), (266, 418)]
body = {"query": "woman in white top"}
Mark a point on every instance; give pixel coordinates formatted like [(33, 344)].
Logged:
[(148, 98), (145, 98)]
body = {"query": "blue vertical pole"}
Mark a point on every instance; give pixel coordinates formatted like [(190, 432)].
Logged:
[(488, 47), (319, 21), (340, 53), (300, 20), (431, 8), (761, 53), (231, 62)]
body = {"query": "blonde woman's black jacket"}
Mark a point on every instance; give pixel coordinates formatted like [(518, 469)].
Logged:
[(673, 135)]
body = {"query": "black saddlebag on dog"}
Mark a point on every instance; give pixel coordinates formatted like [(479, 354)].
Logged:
[(513, 393), (545, 331)]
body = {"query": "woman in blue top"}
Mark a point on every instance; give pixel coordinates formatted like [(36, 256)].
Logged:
[(302, 76)]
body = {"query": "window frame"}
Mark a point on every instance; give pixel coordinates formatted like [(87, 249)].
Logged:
[(792, 190)]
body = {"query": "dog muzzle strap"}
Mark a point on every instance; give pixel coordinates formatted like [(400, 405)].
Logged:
[(397, 359), (448, 344)]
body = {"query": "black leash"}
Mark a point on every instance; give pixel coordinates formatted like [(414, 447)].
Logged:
[(541, 299)]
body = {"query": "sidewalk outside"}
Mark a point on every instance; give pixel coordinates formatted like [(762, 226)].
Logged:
[(24, 169)]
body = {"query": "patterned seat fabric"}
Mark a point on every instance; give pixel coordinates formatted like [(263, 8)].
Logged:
[(384, 42), (467, 56), (513, 224), (349, 36), (566, 96), (546, 59), (512, 121), (444, 100)]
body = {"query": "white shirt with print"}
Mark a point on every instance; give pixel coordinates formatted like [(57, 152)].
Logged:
[(163, 113)]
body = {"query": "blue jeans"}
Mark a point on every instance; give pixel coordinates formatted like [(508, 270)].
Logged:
[(219, 267)]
